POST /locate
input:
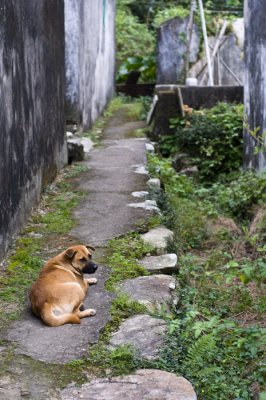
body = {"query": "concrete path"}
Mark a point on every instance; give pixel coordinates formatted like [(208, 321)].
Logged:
[(116, 171), (102, 215)]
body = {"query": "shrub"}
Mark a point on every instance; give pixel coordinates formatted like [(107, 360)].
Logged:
[(212, 137)]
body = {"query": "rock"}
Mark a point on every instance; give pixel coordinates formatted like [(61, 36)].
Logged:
[(75, 150), (154, 183), (140, 194), (181, 161), (78, 148), (171, 50), (149, 147), (143, 332), (87, 144), (151, 291), (190, 171), (158, 238), (149, 205), (141, 169), (148, 384), (164, 264)]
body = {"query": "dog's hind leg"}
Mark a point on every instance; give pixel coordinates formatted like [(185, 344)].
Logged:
[(49, 316), (90, 312)]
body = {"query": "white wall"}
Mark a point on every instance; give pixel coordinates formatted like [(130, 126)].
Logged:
[(90, 58)]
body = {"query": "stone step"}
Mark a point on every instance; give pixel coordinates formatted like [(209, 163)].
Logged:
[(154, 291), (164, 264), (158, 238), (149, 384), (143, 332)]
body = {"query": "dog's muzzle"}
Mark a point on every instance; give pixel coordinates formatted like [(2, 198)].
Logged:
[(90, 268)]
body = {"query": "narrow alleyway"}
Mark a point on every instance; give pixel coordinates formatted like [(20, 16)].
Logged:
[(34, 351)]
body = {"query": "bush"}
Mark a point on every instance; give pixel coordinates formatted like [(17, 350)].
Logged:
[(212, 137), (237, 197)]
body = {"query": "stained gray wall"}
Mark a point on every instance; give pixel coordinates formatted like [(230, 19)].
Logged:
[(32, 106), (171, 50), (255, 80), (90, 58)]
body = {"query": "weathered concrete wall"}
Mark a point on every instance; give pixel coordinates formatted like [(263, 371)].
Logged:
[(90, 58), (171, 50), (255, 80), (32, 106)]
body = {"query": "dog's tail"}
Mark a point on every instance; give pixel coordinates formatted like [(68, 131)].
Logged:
[(48, 316)]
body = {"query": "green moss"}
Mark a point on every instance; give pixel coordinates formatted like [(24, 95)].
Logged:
[(122, 258)]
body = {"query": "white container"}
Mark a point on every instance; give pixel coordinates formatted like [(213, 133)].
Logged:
[(191, 82)]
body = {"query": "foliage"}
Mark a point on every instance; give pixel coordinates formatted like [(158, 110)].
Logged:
[(212, 137), (237, 197), (215, 337), (145, 65), (133, 39), (169, 13)]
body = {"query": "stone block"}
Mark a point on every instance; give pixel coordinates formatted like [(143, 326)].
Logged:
[(143, 332), (151, 384), (164, 264)]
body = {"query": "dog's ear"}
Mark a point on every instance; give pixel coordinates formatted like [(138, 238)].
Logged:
[(70, 253), (89, 247)]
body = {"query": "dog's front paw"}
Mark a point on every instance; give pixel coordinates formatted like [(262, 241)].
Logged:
[(92, 281)]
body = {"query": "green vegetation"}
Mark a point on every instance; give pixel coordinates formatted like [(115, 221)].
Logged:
[(169, 13), (217, 336), (212, 138)]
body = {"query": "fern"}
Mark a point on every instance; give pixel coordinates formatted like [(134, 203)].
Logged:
[(201, 348)]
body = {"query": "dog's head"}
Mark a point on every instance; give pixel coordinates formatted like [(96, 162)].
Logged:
[(80, 258)]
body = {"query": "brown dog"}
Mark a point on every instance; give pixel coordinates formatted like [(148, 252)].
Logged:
[(57, 295)]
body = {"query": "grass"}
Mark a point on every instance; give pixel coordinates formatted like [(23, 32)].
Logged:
[(123, 257)]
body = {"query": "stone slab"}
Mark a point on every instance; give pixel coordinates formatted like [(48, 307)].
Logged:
[(158, 238), (154, 183), (164, 264), (149, 205), (145, 384), (67, 342), (143, 332), (154, 291)]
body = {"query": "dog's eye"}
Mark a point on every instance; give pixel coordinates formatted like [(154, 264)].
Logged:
[(82, 259)]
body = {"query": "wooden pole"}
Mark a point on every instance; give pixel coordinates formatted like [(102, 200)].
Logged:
[(216, 47), (205, 36)]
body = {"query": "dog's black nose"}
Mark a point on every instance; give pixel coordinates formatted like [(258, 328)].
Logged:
[(95, 267)]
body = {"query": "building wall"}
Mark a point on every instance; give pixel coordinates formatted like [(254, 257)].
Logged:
[(32, 106), (90, 58), (255, 81)]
